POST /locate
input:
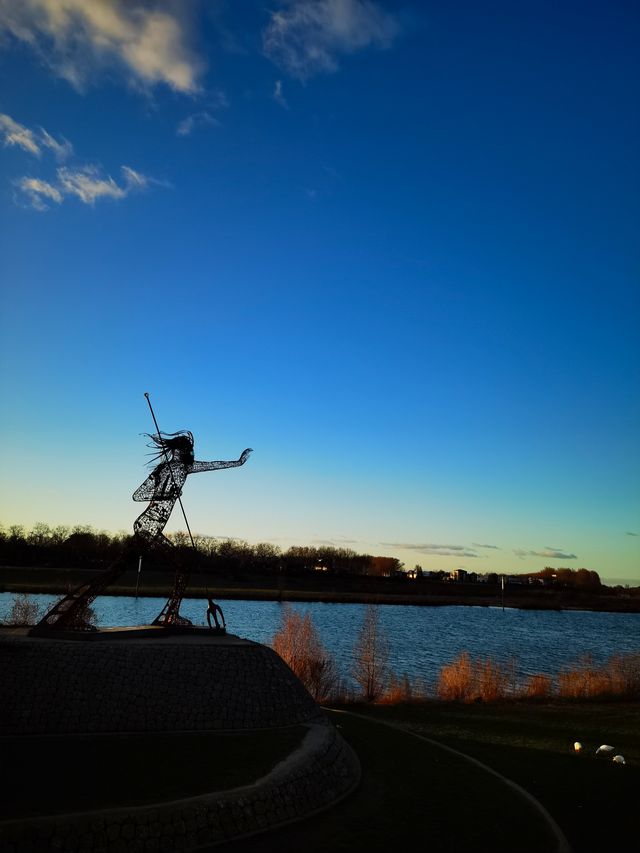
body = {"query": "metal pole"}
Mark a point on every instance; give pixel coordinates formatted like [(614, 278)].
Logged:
[(166, 456), (502, 585), (138, 576)]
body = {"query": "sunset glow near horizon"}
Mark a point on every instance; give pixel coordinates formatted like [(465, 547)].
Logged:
[(390, 246)]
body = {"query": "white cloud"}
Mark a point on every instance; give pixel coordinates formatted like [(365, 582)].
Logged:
[(13, 133), (79, 37), (307, 36), (17, 134), (61, 150), (135, 180), (190, 123), (37, 191), (85, 183)]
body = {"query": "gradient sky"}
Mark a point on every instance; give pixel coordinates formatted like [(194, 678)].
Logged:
[(393, 247)]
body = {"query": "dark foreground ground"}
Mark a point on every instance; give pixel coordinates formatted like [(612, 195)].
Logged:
[(594, 801), (413, 794)]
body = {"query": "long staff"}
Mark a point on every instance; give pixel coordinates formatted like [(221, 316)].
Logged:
[(166, 456)]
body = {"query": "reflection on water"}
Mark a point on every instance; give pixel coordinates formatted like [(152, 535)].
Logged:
[(421, 638)]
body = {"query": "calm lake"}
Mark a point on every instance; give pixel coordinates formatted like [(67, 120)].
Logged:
[(421, 639)]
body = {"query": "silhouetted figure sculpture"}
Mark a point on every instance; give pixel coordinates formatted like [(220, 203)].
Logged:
[(164, 485), (212, 613), (162, 489)]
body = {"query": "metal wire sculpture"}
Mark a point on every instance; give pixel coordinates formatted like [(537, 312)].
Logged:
[(162, 488)]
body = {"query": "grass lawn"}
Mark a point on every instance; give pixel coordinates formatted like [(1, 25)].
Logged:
[(413, 795), (50, 774), (595, 802)]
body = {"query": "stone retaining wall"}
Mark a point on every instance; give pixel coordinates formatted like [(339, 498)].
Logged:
[(322, 771), (147, 685)]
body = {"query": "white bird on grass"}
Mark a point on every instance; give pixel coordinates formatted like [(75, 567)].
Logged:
[(605, 751), (619, 759)]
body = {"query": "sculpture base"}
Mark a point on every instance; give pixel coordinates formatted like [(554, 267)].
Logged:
[(152, 679), (124, 633)]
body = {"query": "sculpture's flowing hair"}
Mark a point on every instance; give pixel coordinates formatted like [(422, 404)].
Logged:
[(168, 443)]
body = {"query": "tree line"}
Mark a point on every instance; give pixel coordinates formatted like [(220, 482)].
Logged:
[(82, 547)]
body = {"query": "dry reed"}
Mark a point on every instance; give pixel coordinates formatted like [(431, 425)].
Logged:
[(298, 644), (538, 686)]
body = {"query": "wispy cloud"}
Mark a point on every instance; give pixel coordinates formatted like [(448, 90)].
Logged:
[(80, 38), (278, 96), (336, 543), (195, 120), (547, 553), (306, 37), (86, 183), (37, 192), (433, 549), (18, 135), (15, 134), (493, 547), (629, 533)]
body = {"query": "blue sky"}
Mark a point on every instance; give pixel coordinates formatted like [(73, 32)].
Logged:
[(390, 246)]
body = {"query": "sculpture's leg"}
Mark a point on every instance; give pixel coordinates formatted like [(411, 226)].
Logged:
[(170, 613), (68, 613)]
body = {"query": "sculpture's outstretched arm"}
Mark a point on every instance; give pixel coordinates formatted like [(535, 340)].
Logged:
[(195, 467)]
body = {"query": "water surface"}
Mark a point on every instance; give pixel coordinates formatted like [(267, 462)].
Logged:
[(421, 639)]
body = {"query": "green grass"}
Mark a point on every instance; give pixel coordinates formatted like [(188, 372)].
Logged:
[(413, 795), (56, 774), (593, 801)]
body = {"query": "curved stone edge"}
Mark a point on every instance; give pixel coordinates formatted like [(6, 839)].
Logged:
[(321, 772)]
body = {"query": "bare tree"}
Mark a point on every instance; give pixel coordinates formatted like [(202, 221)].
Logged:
[(23, 611), (371, 656), (299, 645)]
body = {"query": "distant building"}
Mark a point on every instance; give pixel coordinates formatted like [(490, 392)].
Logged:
[(458, 575)]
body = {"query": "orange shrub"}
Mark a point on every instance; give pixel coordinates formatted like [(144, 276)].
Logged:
[(298, 644), (538, 686), (455, 683), (479, 680)]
